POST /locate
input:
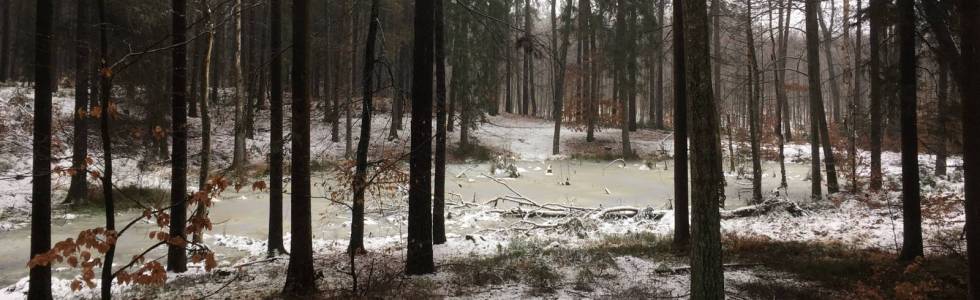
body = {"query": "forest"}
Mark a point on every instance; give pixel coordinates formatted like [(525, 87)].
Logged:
[(489, 149)]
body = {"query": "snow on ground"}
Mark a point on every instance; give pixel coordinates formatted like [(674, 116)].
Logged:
[(872, 221)]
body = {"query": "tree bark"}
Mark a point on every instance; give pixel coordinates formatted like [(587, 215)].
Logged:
[(817, 118), (875, 8), (970, 95), (5, 42), (177, 254), (941, 119), (300, 282), (275, 244), (911, 209), (707, 277), (828, 54), (439, 197), (78, 190), (754, 99), (203, 93), (239, 157), (39, 286), (682, 233), (105, 92), (367, 108), (419, 250)]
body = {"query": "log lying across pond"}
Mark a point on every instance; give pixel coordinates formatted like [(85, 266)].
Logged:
[(526, 207)]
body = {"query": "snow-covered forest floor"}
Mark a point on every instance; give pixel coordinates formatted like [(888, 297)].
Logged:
[(838, 247)]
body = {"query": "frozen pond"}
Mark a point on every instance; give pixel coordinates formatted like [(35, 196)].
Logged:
[(245, 214)]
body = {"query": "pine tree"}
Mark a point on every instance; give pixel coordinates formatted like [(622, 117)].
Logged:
[(911, 209), (40, 277), (176, 253), (275, 244), (707, 277), (300, 282), (682, 234), (419, 252)]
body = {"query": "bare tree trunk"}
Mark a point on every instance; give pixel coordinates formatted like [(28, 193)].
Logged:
[(239, 157), (5, 42), (439, 197), (970, 31), (39, 286), (682, 233), (78, 190), (275, 244), (942, 93), (755, 94), (202, 180), (856, 114), (875, 7), (707, 277), (105, 92), (911, 208), (419, 251), (177, 253), (300, 280), (835, 92), (367, 108), (585, 13)]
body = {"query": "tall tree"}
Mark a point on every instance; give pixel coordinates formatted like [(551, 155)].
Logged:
[(299, 274), (816, 95), (105, 93), (419, 250), (560, 55), (585, 29), (970, 95), (658, 34), (367, 108), (40, 276), (707, 278), (622, 56), (204, 102), (275, 110), (755, 91), (835, 93), (78, 190), (682, 233), (875, 7), (239, 156), (856, 114), (911, 209), (176, 252), (439, 198), (527, 44)]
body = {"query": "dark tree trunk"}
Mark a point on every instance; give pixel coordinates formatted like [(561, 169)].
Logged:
[(816, 102), (275, 245), (367, 108), (585, 28), (624, 86), (176, 253), (835, 93), (780, 88), (204, 102), (5, 42), (682, 234), (78, 191), (970, 95), (239, 156), (419, 250), (528, 46), (942, 94), (659, 52), (560, 68), (40, 276), (756, 94), (707, 277), (911, 209), (877, 26), (105, 92), (300, 281), (856, 114), (439, 197)]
